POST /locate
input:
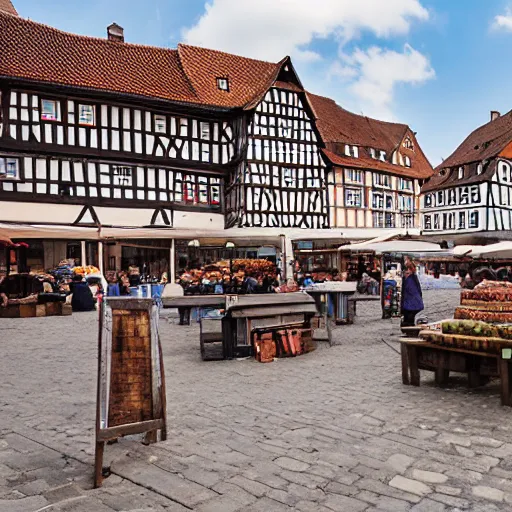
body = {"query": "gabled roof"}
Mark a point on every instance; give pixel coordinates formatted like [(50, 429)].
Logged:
[(249, 79), (484, 143), (37, 52), (339, 126), (6, 6)]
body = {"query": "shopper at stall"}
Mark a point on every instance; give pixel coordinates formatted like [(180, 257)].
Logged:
[(412, 299), (82, 299)]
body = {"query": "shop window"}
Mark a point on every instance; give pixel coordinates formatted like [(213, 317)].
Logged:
[(160, 124), (353, 197), (9, 168), (50, 110), (473, 219), (86, 115)]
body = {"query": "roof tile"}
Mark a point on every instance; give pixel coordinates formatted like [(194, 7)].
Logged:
[(6, 6)]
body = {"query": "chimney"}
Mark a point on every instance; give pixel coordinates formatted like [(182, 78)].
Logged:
[(115, 33), (494, 115)]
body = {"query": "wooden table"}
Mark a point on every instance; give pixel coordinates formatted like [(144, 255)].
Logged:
[(194, 301), (418, 354)]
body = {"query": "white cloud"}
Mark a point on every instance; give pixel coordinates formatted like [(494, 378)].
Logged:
[(374, 73), (503, 21), (271, 29)]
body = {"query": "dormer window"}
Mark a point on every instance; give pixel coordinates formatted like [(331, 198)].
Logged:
[(407, 161), (50, 110), (408, 144), (461, 173), (372, 152), (382, 156), (479, 169), (352, 151), (223, 84)]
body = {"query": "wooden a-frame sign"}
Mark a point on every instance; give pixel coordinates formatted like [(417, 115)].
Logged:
[(131, 380)]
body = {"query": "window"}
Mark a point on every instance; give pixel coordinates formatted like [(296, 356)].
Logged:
[(389, 202), (479, 169), (122, 176), (372, 152), (452, 196), (461, 173), (202, 190), (428, 200), (382, 180), (389, 220), (405, 203), (160, 124), (427, 222), (183, 127), (86, 115), (205, 131), (289, 178), (50, 110), (407, 161), (464, 195), (473, 219), (436, 221), (475, 194), (378, 201), (404, 184), (223, 84), (408, 144), (504, 172), (440, 198), (215, 191), (382, 156), (351, 151), (9, 168), (353, 197), (354, 176), (284, 128), (378, 219), (462, 220)]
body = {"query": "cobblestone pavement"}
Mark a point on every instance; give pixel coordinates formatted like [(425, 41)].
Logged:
[(334, 430)]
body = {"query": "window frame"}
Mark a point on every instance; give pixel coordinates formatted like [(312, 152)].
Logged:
[(80, 121), (220, 81), (19, 173), (58, 111), (472, 215), (356, 193), (158, 118)]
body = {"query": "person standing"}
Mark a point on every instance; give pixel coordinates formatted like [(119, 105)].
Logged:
[(412, 297)]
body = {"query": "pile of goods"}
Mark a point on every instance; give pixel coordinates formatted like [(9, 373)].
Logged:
[(489, 301), (470, 335), (272, 343), (87, 270)]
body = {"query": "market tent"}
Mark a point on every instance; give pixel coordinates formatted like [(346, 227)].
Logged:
[(26, 231), (4, 239), (396, 246), (501, 250)]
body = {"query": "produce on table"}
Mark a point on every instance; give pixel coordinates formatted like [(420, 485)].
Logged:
[(85, 271), (469, 328), (468, 313)]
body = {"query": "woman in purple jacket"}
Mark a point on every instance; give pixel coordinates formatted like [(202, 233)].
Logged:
[(412, 300)]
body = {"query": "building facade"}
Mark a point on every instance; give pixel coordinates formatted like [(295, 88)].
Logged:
[(377, 169), (469, 194), (120, 138)]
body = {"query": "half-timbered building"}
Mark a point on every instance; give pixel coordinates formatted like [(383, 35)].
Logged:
[(378, 168), (470, 194)]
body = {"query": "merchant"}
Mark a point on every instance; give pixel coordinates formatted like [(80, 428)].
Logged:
[(412, 300), (82, 299)]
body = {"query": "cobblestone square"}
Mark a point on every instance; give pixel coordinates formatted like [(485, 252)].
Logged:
[(334, 430)]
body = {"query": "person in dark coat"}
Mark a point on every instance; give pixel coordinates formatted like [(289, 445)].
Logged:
[(82, 299), (412, 298)]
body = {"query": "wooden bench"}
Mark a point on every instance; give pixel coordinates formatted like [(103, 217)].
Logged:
[(418, 354)]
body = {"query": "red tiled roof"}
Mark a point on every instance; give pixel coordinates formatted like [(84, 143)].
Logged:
[(339, 126), (248, 78), (485, 142), (189, 74), (6, 6), (37, 52), (373, 164)]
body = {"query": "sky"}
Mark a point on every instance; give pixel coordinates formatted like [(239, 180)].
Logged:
[(439, 66)]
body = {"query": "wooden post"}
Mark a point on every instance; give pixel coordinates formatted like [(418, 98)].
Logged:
[(412, 356), (83, 261), (506, 398), (284, 258), (405, 364), (100, 258), (172, 262)]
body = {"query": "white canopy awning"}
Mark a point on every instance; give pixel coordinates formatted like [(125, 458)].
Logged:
[(394, 246), (501, 250)]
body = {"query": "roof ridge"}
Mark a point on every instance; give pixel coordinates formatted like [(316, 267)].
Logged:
[(89, 38), (220, 52)]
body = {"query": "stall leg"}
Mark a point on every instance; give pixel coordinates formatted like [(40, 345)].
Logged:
[(442, 374), (405, 364), (506, 381), (412, 356)]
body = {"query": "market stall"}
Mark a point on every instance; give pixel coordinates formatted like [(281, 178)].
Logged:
[(477, 342)]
